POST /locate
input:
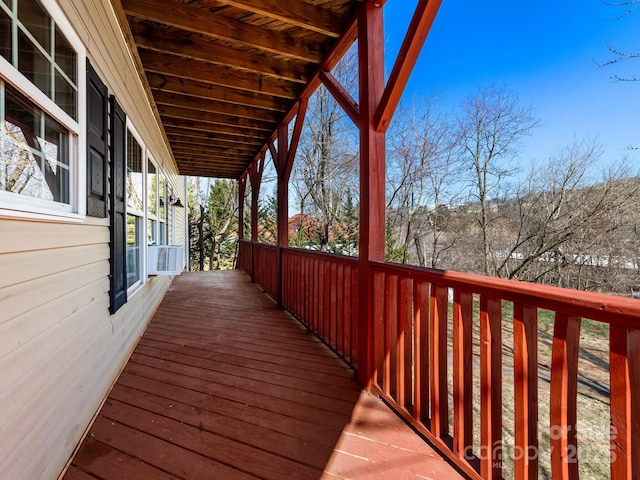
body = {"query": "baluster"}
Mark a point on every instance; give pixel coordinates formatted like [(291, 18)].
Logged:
[(564, 396), (390, 333), (403, 376), (326, 302), (625, 421), (339, 309), (462, 377), (378, 327), (491, 387), (421, 350), (438, 361), (354, 317), (346, 313), (525, 368)]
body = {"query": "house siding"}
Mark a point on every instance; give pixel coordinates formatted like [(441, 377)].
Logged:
[(60, 349)]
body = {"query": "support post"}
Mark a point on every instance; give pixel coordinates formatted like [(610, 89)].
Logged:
[(242, 188), (283, 202), (255, 175), (283, 160), (372, 177)]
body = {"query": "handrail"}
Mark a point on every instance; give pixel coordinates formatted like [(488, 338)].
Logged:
[(592, 305)]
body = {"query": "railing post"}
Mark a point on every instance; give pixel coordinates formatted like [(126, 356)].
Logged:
[(242, 188), (372, 177)]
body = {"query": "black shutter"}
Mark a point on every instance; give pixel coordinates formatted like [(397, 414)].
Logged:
[(117, 207), (97, 144)]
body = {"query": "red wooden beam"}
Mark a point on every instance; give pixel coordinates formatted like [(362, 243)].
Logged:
[(372, 177), (414, 39), (242, 188), (295, 137), (255, 175), (344, 99)]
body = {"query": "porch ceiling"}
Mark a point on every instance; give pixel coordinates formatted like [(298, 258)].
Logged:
[(222, 75)]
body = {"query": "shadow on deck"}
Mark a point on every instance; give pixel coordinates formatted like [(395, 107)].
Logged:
[(224, 385)]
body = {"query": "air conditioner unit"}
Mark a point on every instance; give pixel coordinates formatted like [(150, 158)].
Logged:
[(165, 259)]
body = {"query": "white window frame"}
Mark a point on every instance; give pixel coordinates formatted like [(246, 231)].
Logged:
[(21, 206), (148, 217), (142, 234)]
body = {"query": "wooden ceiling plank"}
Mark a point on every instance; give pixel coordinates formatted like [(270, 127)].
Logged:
[(184, 141), (303, 15), (198, 20), (201, 49), (215, 118), (213, 106), (215, 74), (174, 84), (194, 125), (195, 150), (188, 134)]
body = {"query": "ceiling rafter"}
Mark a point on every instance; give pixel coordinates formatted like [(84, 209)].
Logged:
[(215, 74), (213, 106), (295, 12), (216, 119), (177, 129), (194, 88), (195, 125), (198, 20), (191, 46)]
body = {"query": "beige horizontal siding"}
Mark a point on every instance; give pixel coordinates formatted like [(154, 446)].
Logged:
[(60, 349)]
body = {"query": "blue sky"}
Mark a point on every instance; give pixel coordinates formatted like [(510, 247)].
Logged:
[(544, 51)]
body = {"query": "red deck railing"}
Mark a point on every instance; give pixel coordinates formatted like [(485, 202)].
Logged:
[(321, 290), (433, 328)]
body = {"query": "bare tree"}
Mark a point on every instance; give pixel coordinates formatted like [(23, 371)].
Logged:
[(421, 180), (327, 162), (491, 128), (620, 56)]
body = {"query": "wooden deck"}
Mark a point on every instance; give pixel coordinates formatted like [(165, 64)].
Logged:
[(224, 385)]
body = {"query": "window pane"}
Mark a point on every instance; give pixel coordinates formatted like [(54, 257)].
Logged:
[(65, 95), (5, 36), (152, 189), (65, 56), (134, 175), (36, 21), (161, 198), (162, 234), (151, 232), (55, 148), (32, 164), (33, 65), (134, 224)]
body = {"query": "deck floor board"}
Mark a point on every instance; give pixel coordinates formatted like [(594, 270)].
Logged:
[(224, 385)]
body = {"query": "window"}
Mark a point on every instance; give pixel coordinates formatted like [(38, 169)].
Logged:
[(152, 203), (135, 210), (34, 44), (39, 91), (34, 148), (162, 210)]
